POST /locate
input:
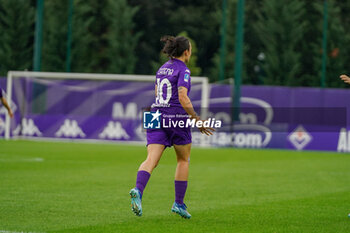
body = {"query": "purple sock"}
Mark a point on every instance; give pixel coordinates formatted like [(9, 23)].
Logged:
[(180, 190), (141, 180)]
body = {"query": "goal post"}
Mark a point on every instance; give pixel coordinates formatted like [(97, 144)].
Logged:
[(12, 76)]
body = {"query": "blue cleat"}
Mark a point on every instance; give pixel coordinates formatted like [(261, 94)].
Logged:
[(136, 206), (180, 209)]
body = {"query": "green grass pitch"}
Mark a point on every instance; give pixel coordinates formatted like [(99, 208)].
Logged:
[(71, 187)]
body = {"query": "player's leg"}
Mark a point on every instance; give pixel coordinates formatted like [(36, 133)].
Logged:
[(154, 153), (181, 177), (182, 156)]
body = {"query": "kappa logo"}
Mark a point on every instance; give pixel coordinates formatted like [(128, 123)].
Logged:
[(114, 130), (70, 128), (300, 137), (151, 120), (27, 128)]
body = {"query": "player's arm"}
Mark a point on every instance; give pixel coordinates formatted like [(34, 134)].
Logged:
[(155, 90), (4, 102), (345, 78), (187, 105)]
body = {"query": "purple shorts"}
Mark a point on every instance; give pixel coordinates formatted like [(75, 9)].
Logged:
[(170, 136)]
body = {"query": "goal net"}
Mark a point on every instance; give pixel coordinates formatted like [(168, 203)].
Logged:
[(85, 106)]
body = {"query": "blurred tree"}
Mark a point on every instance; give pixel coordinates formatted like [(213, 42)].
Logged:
[(153, 20), (283, 40), (103, 37), (254, 73), (281, 27), (192, 65), (337, 46), (202, 22), (198, 18), (230, 45), (344, 8), (83, 37), (308, 74), (122, 39), (54, 36), (17, 33), (89, 45)]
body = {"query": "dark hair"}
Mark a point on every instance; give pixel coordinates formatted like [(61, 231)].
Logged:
[(175, 46)]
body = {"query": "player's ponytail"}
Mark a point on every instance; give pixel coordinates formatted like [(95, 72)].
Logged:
[(175, 46)]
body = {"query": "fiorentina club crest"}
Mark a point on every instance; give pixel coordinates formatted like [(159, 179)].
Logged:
[(299, 137)]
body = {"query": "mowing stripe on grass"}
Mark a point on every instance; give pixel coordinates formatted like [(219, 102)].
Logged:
[(15, 158), (1, 231)]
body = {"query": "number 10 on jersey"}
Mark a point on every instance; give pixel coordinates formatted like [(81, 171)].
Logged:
[(160, 88)]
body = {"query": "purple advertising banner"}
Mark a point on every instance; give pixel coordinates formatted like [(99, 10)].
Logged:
[(270, 117)]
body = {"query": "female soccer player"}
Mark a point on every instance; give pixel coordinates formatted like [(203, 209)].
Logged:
[(172, 86), (4, 102)]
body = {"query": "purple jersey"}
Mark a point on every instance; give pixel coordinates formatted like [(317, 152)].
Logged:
[(173, 74), (170, 76), (0, 92)]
